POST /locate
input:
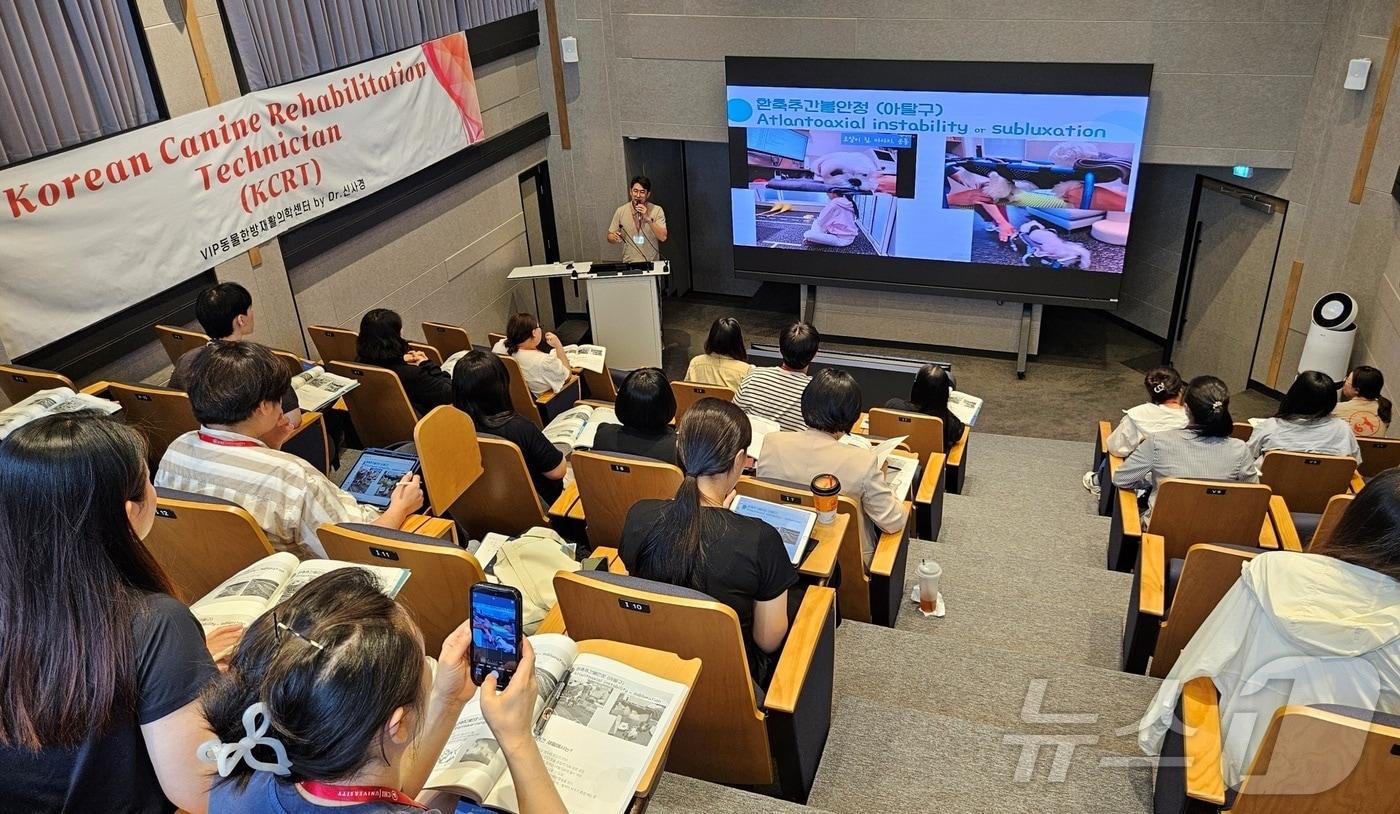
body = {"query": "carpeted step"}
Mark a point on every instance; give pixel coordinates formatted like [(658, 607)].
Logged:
[(889, 758), (1036, 695), (677, 794)]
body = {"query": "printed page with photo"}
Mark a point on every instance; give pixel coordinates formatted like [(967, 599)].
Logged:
[(588, 357), (316, 388), (246, 595), (577, 427), (51, 402)]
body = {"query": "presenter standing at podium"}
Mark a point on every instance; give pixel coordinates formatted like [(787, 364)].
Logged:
[(639, 225)]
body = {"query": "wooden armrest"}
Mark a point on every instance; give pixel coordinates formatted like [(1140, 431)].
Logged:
[(566, 500), (1200, 713), (887, 547), (1105, 430), (98, 389), (1357, 482), (1282, 521), (820, 560), (615, 565), (1267, 539), (440, 527), (1128, 511), (553, 621), (1152, 575), (862, 426), (955, 455), (548, 395), (790, 674), (928, 482)]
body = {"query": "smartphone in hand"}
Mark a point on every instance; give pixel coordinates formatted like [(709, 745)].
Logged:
[(495, 615)]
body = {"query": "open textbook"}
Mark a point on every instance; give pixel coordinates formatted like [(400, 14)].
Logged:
[(316, 389), (576, 427), (598, 724), (966, 408), (244, 596), (51, 402), (588, 357), (761, 428), (899, 470)]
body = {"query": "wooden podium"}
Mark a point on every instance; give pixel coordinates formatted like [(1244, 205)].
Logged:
[(623, 309)]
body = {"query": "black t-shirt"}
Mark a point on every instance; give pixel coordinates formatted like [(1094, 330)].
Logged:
[(952, 425), (657, 446), (540, 455), (744, 564), (112, 771)]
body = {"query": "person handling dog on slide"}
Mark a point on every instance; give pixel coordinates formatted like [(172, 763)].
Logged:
[(836, 223), (638, 225)]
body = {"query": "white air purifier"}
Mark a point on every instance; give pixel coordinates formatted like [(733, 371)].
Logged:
[(1331, 335)]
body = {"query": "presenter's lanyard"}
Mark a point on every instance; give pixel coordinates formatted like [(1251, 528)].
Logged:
[(226, 442), (359, 794)]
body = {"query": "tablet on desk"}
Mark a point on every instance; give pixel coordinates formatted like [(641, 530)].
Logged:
[(794, 523), (372, 479)]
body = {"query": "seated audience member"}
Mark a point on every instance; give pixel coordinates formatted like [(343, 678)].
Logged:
[(1364, 408), (776, 392), (381, 344), (646, 407), (929, 396), (725, 362), (101, 666), (481, 389), (236, 392), (830, 408), (224, 312), (1202, 449), (542, 371), (1304, 422), (693, 541), (1161, 411), (1321, 627), (336, 677)]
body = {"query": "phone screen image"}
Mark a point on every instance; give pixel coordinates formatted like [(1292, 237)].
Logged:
[(495, 635)]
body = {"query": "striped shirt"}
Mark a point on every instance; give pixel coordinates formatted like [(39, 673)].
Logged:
[(1183, 454), (776, 393), (285, 494), (1324, 436)]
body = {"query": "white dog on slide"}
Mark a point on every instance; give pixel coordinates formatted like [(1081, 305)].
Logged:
[(1046, 244), (856, 169)]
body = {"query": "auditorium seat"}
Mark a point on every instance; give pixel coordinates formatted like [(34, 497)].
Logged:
[(158, 413), (18, 382), (539, 409), (610, 483), (687, 393), (1378, 455), (448, 339), (379, 407), (924, 438), (333, 344), (434, 355), (201, 541), (1305, 482), (178, 341), (1331, 516)]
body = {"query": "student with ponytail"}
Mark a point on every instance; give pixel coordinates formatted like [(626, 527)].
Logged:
[(695, 542), (1203, 449), (1364, 408)]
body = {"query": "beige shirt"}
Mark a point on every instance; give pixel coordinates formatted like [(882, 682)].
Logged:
[(286, 495), (650, 247), (713, 368), (1364, 417), (800, 456)]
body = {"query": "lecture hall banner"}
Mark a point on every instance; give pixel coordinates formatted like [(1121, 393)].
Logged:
[(88, 232)]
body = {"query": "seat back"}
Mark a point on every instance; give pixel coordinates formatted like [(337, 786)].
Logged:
[(448, 339), (1378, 455), (1306, 480), (333, 344), (448, 451), (1331, 516), (434, 355), (290, 360), (520, 397), (601, 386), (721, 736), (608, 485), (493, 337), (1242, 430), (379, 407), (1209, 572), (1188, 512), (505, 500), (1324, 760), (925, 431), (19, 383), (436, 593), (202, 541), (178, 341), (687, 393), (853, 594), (158, 413)]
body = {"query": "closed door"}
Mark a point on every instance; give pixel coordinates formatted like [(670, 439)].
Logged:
[(1227, 268)]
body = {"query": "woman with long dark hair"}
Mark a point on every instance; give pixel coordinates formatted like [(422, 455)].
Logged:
[(693, 541), (1203, 449), (725, 361), (542, 371), (101, 666), (381, 343), (929, 396), (481, 389), (645, 406), (1321, 627), (1304, 422), (1365, 409)]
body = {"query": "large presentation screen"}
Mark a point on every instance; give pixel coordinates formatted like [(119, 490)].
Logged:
[(1007, 180)]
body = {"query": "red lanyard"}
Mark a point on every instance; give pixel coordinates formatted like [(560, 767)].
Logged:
[(358, 794), (225, 442)]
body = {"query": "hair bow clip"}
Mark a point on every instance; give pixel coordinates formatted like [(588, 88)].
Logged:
[(256, 722), (1159, 387), (1217, 404)]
